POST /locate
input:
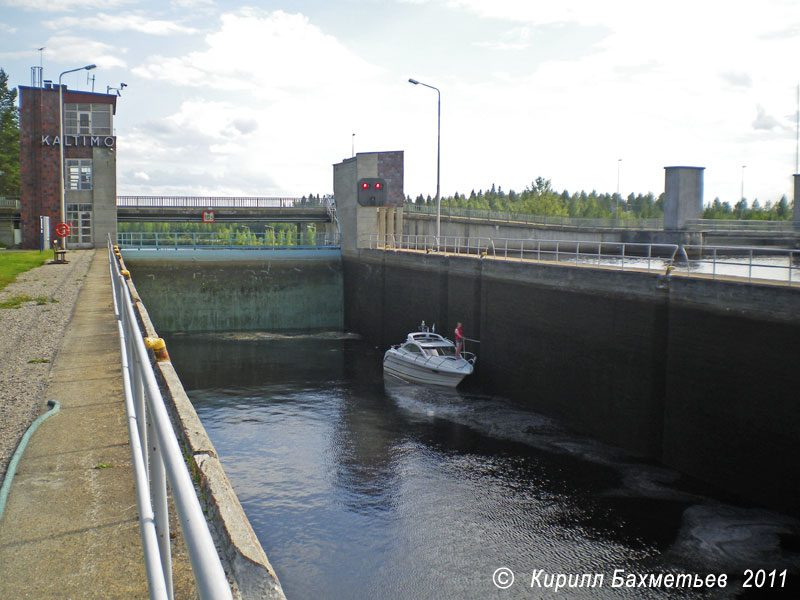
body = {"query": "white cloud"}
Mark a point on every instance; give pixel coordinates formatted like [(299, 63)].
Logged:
[(192, 4), (765, 121), (80, 49), (66, 5), (7, 28), (124, 22), (264, 53)]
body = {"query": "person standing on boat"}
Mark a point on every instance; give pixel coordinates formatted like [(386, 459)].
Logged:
[(459, 335)]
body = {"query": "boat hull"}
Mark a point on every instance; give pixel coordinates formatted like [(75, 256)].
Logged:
[(429, 374)]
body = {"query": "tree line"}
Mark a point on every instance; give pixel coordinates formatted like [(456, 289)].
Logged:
[(9, 139), (540, 198)]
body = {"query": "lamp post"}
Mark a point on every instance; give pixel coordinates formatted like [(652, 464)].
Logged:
[(438, 157), (619, 162), (61, 146), (742, 192)]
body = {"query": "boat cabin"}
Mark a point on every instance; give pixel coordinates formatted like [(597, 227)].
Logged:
[(429, 344)]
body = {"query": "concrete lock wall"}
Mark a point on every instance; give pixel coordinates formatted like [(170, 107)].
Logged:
[(239, 291), (699, 375)]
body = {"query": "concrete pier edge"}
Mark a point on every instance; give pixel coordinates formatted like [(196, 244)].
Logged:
[(242, 555)]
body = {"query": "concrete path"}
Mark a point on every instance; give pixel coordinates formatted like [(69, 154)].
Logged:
[(70, 528)]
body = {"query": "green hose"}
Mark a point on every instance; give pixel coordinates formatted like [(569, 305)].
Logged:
[(12, 466)]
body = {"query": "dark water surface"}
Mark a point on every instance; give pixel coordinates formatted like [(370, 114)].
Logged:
[(364, 489)]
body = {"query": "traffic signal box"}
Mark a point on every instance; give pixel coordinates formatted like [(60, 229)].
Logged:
[(372, 191)]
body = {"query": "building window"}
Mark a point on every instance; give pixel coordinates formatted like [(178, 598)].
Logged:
[(87, 119), (78, 174), (79, 217)]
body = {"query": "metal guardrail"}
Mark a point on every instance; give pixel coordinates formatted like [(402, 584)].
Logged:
[(428, 243), (753, 264), (774, 265), (6, 202), (235, 241), (217, 202), (740, 225), (650, 257), (149, 427), (527, 218)]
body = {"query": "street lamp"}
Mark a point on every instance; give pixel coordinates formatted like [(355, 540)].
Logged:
[(743, 168), (438, 157), (61, 145)]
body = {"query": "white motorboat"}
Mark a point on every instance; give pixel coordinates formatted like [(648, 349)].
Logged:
[(427, 357)]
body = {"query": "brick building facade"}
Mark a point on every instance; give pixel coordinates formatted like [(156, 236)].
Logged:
[(90, 188)]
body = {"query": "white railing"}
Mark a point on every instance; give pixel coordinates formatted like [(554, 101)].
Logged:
[(6, 202), (217, 202), (453, 244), (148, 421), (774, 265), (233, 241), (737, 225), (477, 214), (650, 257), (767, 264)]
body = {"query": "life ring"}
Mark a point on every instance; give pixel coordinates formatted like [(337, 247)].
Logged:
[(62, 230)]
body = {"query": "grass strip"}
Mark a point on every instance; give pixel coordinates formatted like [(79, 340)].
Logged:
[(20, 299), (13, 263)]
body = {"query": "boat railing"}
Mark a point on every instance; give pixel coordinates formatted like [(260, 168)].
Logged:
[(424, 359)]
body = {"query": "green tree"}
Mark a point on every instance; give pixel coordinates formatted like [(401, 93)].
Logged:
[(9, 139)]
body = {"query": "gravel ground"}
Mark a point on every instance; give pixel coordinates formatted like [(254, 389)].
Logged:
[(30, 336)]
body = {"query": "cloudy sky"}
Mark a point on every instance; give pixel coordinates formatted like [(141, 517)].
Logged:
[(228, 98)]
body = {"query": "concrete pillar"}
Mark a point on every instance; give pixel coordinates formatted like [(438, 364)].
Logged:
[(796, 211), (358, 222), (398, 223), (381, 223), (302, 234), (683, 196)]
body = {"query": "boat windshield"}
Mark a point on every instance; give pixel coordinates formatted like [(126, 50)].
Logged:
[(412, 348), (440, 351)]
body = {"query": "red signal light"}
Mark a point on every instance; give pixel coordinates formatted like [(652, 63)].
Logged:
[(378, 185), (365, 186)]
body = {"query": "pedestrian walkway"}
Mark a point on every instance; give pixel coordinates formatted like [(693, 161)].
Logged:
[(70, 528)]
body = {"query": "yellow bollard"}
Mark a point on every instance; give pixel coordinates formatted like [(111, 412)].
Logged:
[(125, 273), (158, 346)]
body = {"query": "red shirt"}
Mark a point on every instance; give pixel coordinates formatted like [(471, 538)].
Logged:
[(459, 334)]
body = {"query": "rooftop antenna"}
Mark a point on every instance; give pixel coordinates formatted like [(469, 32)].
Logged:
[(90, 77), (36, 72), (121, 87)]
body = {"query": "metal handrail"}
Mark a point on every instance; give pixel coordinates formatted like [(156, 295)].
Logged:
[(750, 264), (754, 225), (9, 202), (216, 202), (215, 241), (451, 244), (576, 252), (755, 260), (478, 214), (163, 460)]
